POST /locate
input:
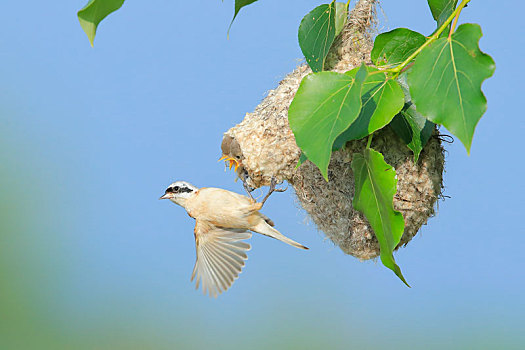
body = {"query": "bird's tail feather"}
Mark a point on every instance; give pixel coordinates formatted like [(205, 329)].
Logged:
[(267, 230), (267, 219)]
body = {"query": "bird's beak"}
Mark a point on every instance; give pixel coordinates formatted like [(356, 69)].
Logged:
[(231, 160), (166, 196)]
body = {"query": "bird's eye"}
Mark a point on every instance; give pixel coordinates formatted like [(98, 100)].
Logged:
[(176, 189), (238, 157)]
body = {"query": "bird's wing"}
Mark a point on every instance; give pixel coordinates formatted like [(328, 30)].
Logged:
[(220, 257)]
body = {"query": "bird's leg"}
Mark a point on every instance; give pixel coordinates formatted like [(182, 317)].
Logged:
[(248, 188), (244, 176), (272, 189)]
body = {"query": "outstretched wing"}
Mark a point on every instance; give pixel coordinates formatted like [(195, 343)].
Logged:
[(220, 257)]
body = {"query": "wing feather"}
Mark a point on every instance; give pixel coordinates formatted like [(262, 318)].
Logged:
[(220, 257), (224, 277), (207, 277)]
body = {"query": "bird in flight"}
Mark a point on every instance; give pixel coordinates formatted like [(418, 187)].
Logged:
[(223, 221)]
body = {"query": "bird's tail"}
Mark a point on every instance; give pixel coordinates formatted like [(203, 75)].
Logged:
[(267, 230)]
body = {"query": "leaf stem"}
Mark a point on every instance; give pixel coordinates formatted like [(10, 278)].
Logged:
[(453, 27), (431, 39), (369, 140)]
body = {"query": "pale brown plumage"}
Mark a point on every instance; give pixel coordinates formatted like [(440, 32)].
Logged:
[(223, 219)]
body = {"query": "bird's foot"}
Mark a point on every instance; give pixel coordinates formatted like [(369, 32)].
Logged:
[(272, 189)]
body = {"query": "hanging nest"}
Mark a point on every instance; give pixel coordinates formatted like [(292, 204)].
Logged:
[(265, 147)]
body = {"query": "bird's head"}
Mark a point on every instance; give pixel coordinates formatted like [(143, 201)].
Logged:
[(179, 191), (231, 152)]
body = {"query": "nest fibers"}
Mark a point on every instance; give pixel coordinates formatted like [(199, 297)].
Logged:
[(269, 150)]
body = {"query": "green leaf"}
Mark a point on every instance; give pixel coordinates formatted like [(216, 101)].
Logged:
[(439, 7), (413, 128), (381, 98), (239, 4), (394, 47), (375, 187), (301, 160), (445, 82), (316, 35), (325, 104), (94, 12), (441, 10), (341, 16)]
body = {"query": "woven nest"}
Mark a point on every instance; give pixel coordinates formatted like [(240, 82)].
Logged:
[(265, 147)]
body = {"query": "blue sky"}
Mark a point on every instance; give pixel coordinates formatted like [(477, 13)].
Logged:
[(91, 137)]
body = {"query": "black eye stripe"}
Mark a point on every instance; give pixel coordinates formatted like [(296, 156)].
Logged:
[(178, 189)]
